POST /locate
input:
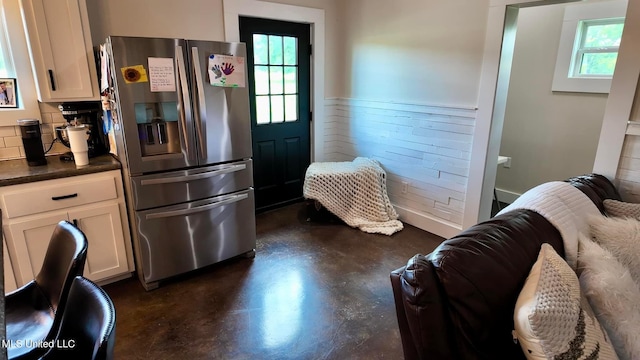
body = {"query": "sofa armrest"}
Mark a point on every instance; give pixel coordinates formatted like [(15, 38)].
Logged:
[(408, 346), (422, 313)]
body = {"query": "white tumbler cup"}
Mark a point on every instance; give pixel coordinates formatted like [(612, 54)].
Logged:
[(78, 140)]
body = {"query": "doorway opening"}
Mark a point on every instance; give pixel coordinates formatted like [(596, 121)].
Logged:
[(550, 132)]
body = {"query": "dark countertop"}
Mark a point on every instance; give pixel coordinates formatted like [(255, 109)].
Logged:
[(17, 171)]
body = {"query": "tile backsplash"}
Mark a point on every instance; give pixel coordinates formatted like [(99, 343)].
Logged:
[(11, 141)]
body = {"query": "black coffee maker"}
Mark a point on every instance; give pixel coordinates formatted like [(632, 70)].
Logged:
[(90, 114)]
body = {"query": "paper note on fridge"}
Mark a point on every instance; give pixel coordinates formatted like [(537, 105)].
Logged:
[(162, 76), (226, 70)]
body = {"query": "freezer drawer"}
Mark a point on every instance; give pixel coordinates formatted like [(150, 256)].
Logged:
[(176, 239), (151, 191)]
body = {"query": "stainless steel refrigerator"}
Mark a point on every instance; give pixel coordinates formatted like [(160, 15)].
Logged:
[(183, 136)]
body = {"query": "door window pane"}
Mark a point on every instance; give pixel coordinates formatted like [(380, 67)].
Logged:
[(291, 107), (276, 79), (262, 109), (262, 80), (273, 79), (290, 50), (290, 80), (277, 109), (275, 50), (260, 49)]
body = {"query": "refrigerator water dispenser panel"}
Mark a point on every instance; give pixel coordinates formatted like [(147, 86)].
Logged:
[(158, 128)]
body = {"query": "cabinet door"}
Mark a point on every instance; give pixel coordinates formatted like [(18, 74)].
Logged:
[(106, 255), (61, 49), (9, 278), (30, 239)]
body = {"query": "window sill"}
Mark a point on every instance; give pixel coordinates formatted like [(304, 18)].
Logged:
[(633, 128)]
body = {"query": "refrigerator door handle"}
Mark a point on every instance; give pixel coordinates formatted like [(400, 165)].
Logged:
[(201, 114), (184, 102), (183, 212), (200, 176)]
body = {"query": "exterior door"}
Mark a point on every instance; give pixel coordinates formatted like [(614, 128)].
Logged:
[(278, 62)]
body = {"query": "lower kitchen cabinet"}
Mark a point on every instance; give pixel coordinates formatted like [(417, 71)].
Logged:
[(102, 219), (9, 278)]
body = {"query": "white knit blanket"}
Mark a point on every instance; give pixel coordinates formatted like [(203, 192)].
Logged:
[(564, 206), (356, 192)]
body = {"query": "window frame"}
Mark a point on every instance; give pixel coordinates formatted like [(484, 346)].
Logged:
[(13, 31), (570, 38)]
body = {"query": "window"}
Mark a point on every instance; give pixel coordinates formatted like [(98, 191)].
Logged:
[(15, 64), (596, 49), (6, 67), (588, 48), (276, 77)]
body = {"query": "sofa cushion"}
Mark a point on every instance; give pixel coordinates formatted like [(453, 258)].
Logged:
[(623, 209), (552, 318), (613, 295), (621, 236)]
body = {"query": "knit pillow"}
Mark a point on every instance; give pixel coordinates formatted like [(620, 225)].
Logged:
[(617, 208), (553, 320), (613, 295)]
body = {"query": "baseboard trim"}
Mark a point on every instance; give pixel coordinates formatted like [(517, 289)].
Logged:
[(507, 196), (114, 279), (427, 223)]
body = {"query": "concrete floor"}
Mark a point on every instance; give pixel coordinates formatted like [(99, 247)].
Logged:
[(314, 291)]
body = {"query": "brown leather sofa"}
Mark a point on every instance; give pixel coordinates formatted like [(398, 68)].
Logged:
[(458, 301)]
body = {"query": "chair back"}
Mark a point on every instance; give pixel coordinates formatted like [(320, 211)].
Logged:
[(88, 326), (63, 261)]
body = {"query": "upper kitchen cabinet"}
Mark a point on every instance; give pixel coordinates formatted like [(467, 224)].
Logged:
[(60, 47)]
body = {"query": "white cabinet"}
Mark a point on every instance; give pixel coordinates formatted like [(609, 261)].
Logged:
[(61, 51), (9, 279), (95, 203)]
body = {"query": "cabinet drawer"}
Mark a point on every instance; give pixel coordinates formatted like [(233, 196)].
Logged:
[(57, 194)]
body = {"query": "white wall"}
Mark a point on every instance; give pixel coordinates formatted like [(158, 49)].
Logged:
[(425, 147), (414, 51), (196, 19), (549, 135), (410, 90), (628, 176)]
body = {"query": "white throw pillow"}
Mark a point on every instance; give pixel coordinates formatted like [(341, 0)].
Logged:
[(621, 209), (613, 295), (621, 236), (552, 318)]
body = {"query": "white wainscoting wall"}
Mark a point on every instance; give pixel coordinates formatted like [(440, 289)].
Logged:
[(628, 176), (425, 151)]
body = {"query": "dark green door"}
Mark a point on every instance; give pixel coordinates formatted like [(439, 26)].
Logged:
[(278, 61)]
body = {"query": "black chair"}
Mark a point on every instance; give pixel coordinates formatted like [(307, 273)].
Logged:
[(88, 326), (33, 312)]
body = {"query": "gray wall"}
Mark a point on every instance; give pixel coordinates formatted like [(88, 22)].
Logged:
[(550, 136)]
